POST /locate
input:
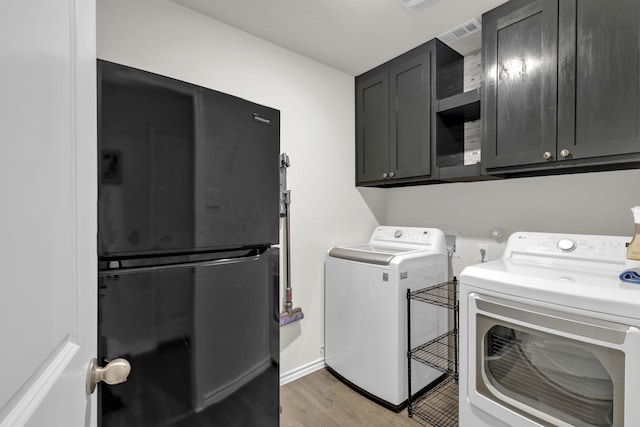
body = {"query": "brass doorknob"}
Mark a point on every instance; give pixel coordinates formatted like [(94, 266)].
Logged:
[(116, 372)]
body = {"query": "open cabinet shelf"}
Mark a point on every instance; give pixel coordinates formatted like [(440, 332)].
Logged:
[(452, 114), (465, 105)]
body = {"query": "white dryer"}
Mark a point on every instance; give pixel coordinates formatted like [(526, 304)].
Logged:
[(549, 335), (366, 305)]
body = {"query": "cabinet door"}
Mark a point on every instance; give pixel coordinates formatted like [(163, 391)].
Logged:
[(519, 101), (372, 128), (410, 120), (599, 78)]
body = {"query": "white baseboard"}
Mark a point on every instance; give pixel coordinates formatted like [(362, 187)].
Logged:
[(302, 371)]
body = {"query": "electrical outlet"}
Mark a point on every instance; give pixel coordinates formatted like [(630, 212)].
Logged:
[(483, 251)]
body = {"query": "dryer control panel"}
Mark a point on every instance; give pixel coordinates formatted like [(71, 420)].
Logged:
[(569, 246)]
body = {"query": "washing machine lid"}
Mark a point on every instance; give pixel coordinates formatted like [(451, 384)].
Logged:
[(369, 254), (393, 245)]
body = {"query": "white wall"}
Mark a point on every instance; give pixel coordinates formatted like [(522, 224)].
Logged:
[(587, 203), (317, 116), (317, 112)]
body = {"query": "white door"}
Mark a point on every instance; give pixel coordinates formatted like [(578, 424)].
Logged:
[(48, 217)]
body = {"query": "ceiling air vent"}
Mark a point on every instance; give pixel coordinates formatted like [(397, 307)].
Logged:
[(415, 5), (460, 31)]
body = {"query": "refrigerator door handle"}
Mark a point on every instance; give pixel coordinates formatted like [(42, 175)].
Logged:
[(276, 297), (253, 256)]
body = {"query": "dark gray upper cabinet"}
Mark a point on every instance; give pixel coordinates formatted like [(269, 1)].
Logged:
[(562, 86), (410, 121), (599, 78), (519, 41), (372, 127), (394, 113)]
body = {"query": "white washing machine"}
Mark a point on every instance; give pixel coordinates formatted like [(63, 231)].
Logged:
[(366, 305), (549, 335)]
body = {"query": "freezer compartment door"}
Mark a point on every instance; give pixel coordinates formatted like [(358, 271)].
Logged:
[(202, 341), (182, 167)]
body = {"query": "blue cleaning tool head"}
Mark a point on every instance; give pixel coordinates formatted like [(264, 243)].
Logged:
[(290, 317)]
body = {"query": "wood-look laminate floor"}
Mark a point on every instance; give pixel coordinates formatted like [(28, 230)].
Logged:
[(320, 399)]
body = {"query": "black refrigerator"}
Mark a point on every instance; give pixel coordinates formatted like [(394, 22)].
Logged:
[(188, 276)]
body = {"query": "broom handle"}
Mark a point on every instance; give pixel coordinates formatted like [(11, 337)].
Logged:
[(288, 305), (285, 201)]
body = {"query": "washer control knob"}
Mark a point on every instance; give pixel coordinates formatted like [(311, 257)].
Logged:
[(397, 234), (566, 245)]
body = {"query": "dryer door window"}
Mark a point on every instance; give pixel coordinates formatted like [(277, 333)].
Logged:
[(550, 367), (557, 376)]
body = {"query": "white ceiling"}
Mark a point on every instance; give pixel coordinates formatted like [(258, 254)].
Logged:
[(350, 35)]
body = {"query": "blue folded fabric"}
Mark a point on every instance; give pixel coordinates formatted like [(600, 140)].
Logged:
[(631, 276)]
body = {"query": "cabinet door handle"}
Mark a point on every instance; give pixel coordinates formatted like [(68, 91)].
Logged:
[(565, 153), (391, 174), (547, 155), (384, 175)]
